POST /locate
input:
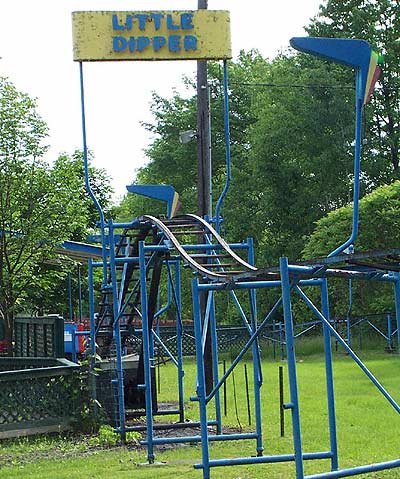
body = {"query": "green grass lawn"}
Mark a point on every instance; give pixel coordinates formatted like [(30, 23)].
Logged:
[(368, 429)]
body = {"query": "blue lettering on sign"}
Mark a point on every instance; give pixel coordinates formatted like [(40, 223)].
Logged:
[(186, 21), (119, 44), (157, 20), (139, 44), (174, 43), (158, 43), (129, 22), (115, 23), (142, 17), (190, 43), (170, 23), (142, 43)]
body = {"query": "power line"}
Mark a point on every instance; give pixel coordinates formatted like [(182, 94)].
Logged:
[(310, 86), (293, 85)]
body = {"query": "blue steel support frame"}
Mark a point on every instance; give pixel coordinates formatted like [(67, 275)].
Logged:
[(70, 308), (214, 347), (291, 358), (91, 313), (389, 331), (257, 370), (146, 354), (179, 339), (201, 385), (117, 336), (329, 376), (86, 172), (397, 304), (80, 293), (175, 291), (357, 168)]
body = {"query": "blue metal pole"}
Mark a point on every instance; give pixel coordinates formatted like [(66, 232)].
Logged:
[(348, 315), (214, 347), (91, 311), (329, 376), (239, 461), (291, 358), (357, 163), (356, 471), (389, 329), (92, 358), (71, 314), (146, 354), (179, 337), (80, 293), (227, 150), (73, 346), (397, 303), (257, 372), (117, 335), (201, 385), (87, 182)]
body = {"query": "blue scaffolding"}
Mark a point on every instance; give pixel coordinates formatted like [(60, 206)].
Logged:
[(135, 253)]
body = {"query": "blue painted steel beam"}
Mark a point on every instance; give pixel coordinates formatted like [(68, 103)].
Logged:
[(117, 336), (252, 284), (291, 359), (329, 377), (356, 54), (86, 175), (201, 387), (211, 437), (241, 461), (146, 354), (355, 471), (397, 304)]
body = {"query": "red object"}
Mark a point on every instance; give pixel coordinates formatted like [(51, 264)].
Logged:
[(81, 339), (3, 346)]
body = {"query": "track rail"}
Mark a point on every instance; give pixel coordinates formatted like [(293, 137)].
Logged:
[(192, 225)]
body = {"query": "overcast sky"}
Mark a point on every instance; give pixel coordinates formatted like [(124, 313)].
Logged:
[(36, 55)]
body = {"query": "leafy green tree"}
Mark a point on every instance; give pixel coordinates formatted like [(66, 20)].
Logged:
[(49, 290), (301, 151), (40, 206), (378, 230), (376, 21), (174, 163)]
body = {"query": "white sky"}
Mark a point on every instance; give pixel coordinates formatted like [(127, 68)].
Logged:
[(36, 55)]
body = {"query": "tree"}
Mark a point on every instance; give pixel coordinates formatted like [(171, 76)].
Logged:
[(376, 21), (378, 230), (171, 162), (40, 206)]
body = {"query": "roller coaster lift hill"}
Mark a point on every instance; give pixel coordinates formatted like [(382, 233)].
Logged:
[(134, 254)]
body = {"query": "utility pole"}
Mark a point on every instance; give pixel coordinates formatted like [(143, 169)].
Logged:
[(203, 129), (204, 181)]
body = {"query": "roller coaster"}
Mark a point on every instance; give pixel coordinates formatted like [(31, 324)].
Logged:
[(133, 256)]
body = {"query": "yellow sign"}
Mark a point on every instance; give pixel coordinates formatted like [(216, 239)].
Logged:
[(171, 35)]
